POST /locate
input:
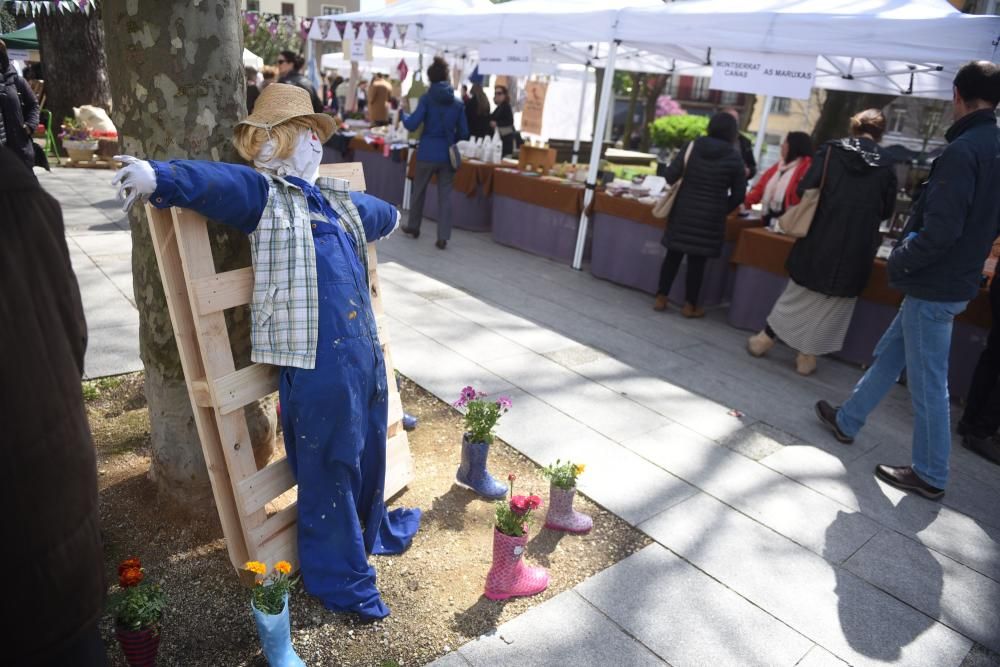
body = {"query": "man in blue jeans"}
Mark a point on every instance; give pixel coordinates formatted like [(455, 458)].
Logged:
[(937, 266)]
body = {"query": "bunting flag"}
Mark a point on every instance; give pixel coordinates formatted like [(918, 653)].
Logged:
[(357, 25), (341, 27), (304, 26), (386, 31), (253, 22), (402, 69), (401, 29), (370, 28), (324, 27), (50, 7)]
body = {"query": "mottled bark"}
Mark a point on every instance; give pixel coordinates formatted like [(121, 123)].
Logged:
[(177, 77), (76, 71), (837, 110)]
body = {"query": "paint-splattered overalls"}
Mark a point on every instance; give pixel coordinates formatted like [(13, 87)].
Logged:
[(334, 415)]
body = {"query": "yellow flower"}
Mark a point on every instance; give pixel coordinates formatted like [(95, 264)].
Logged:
[(578, 469), (256, 567), (283, 567)]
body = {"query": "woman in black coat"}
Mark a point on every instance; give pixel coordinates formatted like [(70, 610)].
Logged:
[(18, 111), (503, 119), (714, 185), (477, 111), (290, 66), (831, 265)]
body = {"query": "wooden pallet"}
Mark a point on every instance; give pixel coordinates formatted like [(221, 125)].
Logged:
[(256, 506)]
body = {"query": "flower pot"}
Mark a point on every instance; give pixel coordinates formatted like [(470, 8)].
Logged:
[(275, 637), (509, 576), (562, 516), (472, 473), (139, 646)]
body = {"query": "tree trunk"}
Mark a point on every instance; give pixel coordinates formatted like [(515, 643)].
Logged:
[(76, 71), (177, 76), (654, 88), (837, 111), (638, 81)]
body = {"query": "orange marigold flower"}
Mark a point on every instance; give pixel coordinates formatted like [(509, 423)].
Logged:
[(128, 564), (130, 577), (283, 567), (256, 567)]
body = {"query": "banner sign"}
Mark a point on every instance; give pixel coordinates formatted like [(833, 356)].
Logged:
[(510, 59), (534, 106), (763, 73), (357, 51)]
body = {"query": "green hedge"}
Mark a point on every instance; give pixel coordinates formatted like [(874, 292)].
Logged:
[(675, 131)]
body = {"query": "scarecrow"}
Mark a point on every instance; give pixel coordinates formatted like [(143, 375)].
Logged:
[(312, 317)]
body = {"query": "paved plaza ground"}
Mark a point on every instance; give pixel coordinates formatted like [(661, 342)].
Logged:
[(774, 544)]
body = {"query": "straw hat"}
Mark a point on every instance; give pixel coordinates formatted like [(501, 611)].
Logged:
[(280, 102)]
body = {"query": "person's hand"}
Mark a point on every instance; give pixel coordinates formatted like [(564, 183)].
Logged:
[(135, 181)]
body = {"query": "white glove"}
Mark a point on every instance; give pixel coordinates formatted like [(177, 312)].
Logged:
[(136, 180)]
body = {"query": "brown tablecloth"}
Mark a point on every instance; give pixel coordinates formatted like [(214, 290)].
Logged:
[(538, 191), (468, 178), (768, 251), (636, 211)]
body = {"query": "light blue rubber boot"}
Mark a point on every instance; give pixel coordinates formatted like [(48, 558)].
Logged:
[(276, 638), (472, 473)]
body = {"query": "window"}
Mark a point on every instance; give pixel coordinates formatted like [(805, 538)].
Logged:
[(781, 105), (898, 122), (288, 9), (674, 86), (699, 91), (730, 98), (326, 10), (253, 5)]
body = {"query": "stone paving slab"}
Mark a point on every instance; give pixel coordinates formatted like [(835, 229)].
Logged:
[(688, 618), (566, 630), (961, 598), (834, 608)]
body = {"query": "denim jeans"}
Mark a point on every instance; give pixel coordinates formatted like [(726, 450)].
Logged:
[(919, 340)]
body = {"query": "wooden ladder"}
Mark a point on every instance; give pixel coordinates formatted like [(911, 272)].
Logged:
[(256, 506)]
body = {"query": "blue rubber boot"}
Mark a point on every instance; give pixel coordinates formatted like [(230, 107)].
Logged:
[(276, 638), (472, 473)]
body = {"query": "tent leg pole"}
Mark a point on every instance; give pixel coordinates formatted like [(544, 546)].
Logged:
[(595, 156), (579, 116), (762, 130)]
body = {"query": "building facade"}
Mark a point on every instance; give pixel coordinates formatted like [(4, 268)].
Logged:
[(302, 8)]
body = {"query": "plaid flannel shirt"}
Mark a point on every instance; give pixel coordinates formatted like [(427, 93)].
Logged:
[(285, 305)]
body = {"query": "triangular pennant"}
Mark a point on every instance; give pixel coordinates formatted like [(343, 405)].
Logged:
[(341, 27), (401, 29), (324, 28), (304, 26), (357, 25), (370, 28), (386, 31)]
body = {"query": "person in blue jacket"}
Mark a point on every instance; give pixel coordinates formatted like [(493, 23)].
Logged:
[(312, 317), (443, 117), (937, 266)]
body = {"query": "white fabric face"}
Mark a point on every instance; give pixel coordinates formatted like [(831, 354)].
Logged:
[(302, 163)]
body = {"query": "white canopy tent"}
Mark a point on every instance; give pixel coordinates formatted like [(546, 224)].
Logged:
[(383, 60)]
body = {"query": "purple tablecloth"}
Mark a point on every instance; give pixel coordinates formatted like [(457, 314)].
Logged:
[(536, 229), (383, 177), (474, 214), (755, 291), (630, 253)]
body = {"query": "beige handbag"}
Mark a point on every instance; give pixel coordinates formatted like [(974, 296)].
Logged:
[(797, 220), (662, 207)]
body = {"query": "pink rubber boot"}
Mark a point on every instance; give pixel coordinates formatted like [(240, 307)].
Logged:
[(562, 516), (510, 577)]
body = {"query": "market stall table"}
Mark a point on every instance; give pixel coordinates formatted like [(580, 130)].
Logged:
[(537, 214), (627, 250), (760, 278), (471, 196), (384, 175)]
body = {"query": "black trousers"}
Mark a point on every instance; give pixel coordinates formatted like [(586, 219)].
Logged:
[(695, 274), (982, 407)]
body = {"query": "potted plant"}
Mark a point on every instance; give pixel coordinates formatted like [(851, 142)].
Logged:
[(562, 489), (78, 141), (269, 602), (481, 416), (509, 576), (137, 609)]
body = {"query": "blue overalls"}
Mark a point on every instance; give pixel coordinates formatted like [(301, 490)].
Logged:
[(333, 416)]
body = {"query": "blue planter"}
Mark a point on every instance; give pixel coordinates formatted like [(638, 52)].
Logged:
[(276, 638)]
